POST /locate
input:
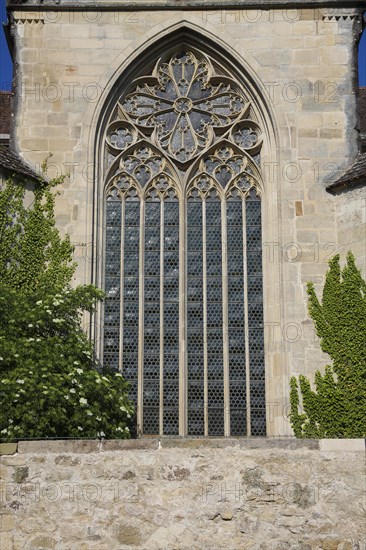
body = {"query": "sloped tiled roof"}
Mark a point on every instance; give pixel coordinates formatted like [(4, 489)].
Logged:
[(354, 176), (362, 108), (5, 112), (11, 163), (362, 114)]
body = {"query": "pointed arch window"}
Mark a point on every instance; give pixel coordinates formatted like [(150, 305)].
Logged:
[(183, 316)]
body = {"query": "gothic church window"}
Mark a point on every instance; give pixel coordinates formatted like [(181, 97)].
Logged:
[(183, 316)]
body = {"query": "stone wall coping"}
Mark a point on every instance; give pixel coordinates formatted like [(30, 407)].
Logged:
[(134, 5), (8, 448), (147, 444), (342, 445)]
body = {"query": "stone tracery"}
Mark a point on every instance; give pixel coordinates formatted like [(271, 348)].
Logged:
[(186, 134)]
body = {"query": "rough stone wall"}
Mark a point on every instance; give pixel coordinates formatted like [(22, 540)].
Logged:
[(304, 62), (351, 224), (268, 495)]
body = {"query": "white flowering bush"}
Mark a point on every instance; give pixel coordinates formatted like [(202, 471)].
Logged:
[(51, 385), (63, 402)]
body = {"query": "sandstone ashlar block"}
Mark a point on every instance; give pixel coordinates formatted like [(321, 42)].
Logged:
[(37, 118), (311, 274), (30, 55), (304, 27), (309, 121), (294, 42), (61, 144), (308, 132), (68, 31), (34, 144), (277, 58), (312, 149), (306, 56), (87, 43), (8, 448), (57, 44), (57, 57), (345, 445), (308, 14), (335, 56), (58, 119)]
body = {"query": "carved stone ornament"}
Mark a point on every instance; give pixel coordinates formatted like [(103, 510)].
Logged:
[(184, 108)]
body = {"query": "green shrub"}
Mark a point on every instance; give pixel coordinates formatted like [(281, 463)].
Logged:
[(51, 385), (336, 408)]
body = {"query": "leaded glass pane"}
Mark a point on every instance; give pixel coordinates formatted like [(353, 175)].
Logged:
[(130, 321), (151, 380), (255, 315), (171, 319), (195, 355), (112, 286), (236, 317)]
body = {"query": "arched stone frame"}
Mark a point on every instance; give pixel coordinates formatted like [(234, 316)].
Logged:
[(276, 368)]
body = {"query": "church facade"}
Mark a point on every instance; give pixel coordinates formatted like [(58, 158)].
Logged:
[(199, 141)]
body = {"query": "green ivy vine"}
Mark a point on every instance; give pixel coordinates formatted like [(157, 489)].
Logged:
[(336, 407)]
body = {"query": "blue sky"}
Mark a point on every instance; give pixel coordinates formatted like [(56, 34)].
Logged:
[(6, 68), (6, 65), (362, 60)]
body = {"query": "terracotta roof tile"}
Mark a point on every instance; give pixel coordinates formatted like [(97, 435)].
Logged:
[(362, 116), (362, 109), (5, 112), (354, 176), (11, 163)]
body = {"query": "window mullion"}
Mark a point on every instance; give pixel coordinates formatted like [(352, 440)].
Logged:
[(246, 318), (183, 404), (204, 292), (225, 330), (161, 385), (141, 319), (122, 277)]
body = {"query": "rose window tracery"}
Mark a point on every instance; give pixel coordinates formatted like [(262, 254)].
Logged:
[(184, 102)]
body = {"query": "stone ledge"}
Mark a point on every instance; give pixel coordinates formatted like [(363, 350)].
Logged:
[(348, 445), (92, 446), (153, 444), (86, 445), (241, 442), (59, 446), (130, 444), (134, 5), (8, 448)]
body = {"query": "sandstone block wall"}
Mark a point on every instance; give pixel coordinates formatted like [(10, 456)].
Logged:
[(351, 224), (192, 494), (303, 61)]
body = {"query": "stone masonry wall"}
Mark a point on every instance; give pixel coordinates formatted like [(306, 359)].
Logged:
[(351, 224), (303, 62), (187, 494)]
